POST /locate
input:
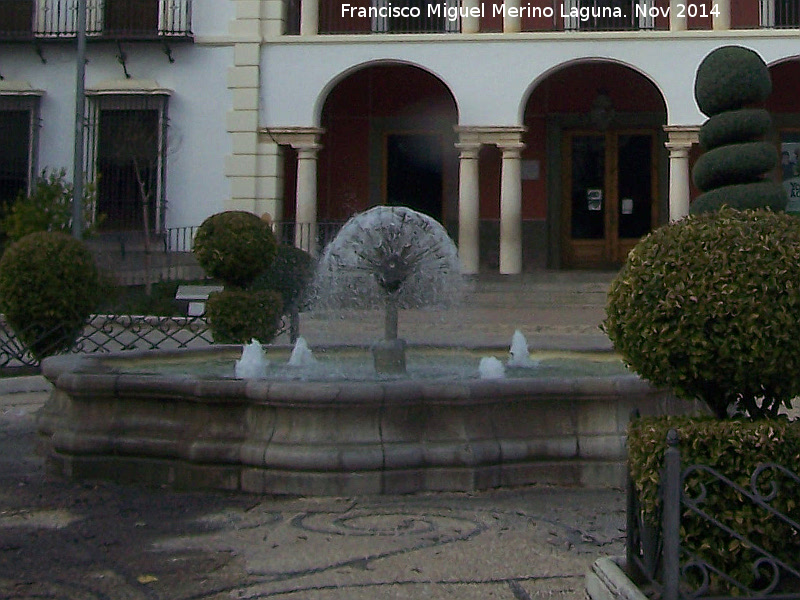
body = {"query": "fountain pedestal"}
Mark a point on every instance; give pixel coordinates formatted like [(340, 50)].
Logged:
[(389, 357)]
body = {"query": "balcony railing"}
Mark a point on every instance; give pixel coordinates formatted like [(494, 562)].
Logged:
[(105, 19), (448, 16)]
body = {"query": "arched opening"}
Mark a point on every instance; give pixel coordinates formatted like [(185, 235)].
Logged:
[(782, 105), (388, 139), (595, 167)]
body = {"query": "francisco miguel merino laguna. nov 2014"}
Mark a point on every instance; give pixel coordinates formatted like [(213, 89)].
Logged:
[(583, 13)]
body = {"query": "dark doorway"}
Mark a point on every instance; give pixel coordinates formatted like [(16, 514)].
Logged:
[(414, 172)]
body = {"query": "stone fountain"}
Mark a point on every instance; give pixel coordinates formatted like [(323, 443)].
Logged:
[(181, 418)]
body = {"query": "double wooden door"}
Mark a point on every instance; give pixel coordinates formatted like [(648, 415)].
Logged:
[(609, 195)]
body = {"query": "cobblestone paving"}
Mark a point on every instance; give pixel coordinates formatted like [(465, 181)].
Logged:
[(93, 541)]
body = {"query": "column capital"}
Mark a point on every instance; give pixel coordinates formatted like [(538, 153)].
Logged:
[(511, 149), (468, 150), (497, 135), (299, 138), (681, 136)]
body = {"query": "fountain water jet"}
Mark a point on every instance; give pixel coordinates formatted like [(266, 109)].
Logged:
[(394, 258)]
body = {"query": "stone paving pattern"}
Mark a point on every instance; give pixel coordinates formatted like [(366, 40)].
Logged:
[(96, 540)]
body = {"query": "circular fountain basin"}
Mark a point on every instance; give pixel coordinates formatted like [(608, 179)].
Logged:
[(144, 417)]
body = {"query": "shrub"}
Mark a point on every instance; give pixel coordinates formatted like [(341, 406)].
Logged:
[(708, 306), (728, 80), (234, 246), (48, 208), (49, 285), (236, 316), (289, 275), (734, 448)]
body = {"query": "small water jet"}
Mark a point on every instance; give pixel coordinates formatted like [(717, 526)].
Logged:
[(491, 368), (301, 356), (519, 355), (253, 363), (395, 258)]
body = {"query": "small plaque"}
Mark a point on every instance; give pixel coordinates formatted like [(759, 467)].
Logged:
[(627, 206)]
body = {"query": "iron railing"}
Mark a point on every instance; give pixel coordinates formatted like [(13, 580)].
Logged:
[(780, 14), (655, 552), (105, 19)]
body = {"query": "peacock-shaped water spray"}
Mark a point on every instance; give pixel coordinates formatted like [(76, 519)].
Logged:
[(394, 258)]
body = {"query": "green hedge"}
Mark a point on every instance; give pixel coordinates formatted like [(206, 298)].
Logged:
[(735, 448), (237, 317), (734, 164), (735, 126), (730, 78)]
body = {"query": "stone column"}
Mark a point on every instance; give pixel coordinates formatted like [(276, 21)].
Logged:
[(512, 24), (679, 144), (469, 208), (470, 23), (309, 17), (677, 22), (305, 236), (511, 210), (306, 141), (722, 21)]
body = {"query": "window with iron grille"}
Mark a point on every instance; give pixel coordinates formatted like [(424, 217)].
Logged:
[(18, 120), (780, 13), (115, 19), (127, 146)]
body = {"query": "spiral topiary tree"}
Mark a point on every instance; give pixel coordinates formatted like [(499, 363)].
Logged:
[(730, 81)]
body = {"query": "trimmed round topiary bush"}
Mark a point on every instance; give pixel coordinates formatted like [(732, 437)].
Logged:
[(237, 316), (709, 305), (729, 78), (728, 81), (289, 274), (49, 285), (234, 246)]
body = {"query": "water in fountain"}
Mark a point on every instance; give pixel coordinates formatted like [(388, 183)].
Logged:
[(301, 354), (519, 356), (253, 363), (392, 258)]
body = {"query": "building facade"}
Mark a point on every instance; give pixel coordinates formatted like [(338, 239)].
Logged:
[(541, 133)]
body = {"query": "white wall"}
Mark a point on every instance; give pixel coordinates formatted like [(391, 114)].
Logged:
[(492, 76), (200, 100)]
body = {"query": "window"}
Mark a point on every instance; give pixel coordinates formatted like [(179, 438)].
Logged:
[(608, 15), (18, 129), (126, 19), (127, 139), (16, 18), (780, 13)]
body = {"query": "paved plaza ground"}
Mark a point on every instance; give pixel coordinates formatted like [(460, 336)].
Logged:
[(97, 540)]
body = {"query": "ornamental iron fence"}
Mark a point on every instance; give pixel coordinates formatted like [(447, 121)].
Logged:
[(657, 557)]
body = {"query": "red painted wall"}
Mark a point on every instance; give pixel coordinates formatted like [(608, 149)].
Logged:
[(374, 92), (744, 14), (785, 87)]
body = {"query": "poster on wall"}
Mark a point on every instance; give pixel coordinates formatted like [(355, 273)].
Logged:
[(790, 169)]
